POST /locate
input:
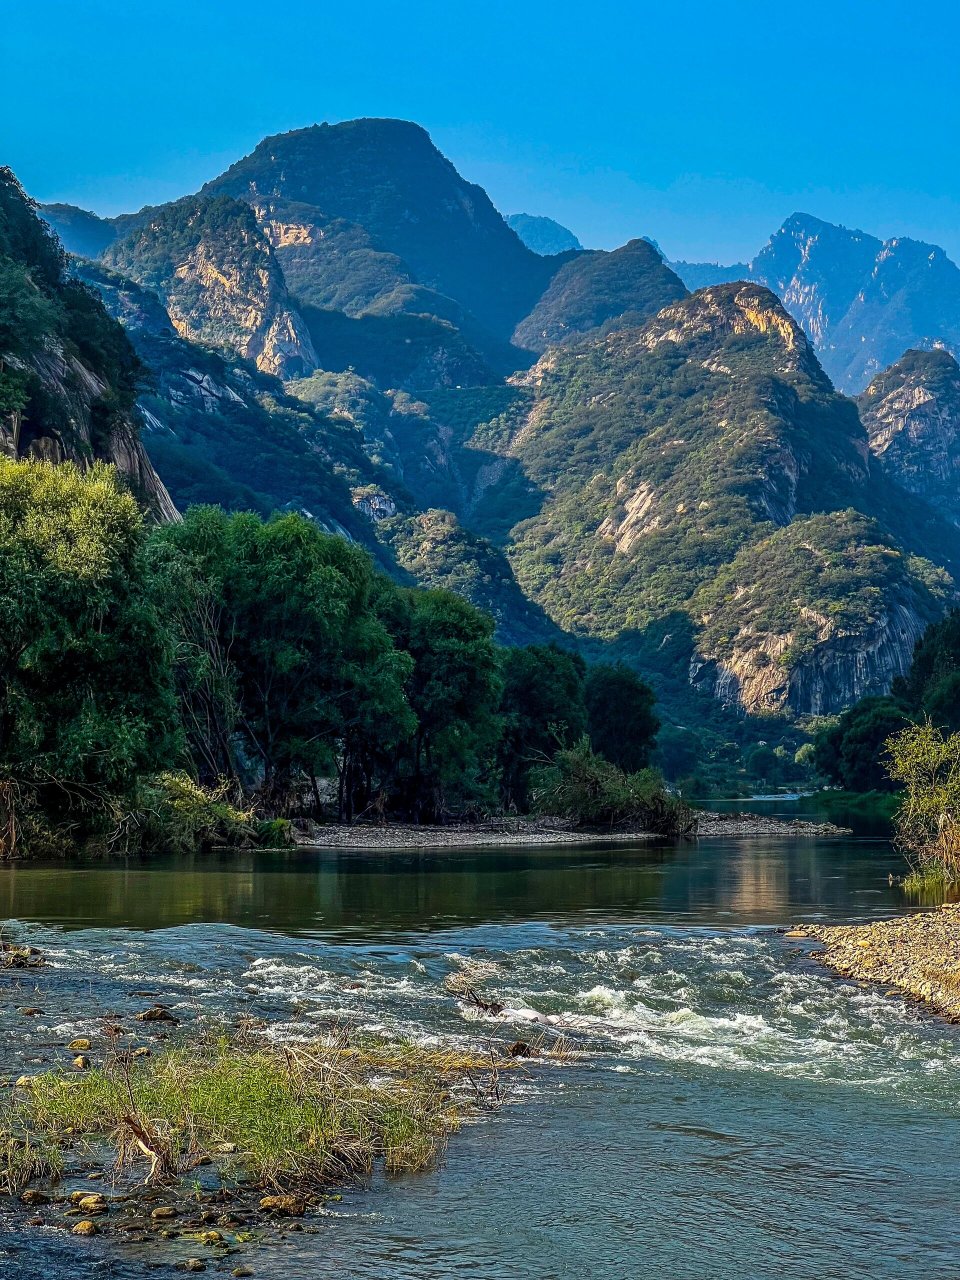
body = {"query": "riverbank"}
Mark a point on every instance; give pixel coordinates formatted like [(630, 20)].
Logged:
[(916, 955), (541, 831)]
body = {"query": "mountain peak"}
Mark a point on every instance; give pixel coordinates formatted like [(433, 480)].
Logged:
[(741, 308)]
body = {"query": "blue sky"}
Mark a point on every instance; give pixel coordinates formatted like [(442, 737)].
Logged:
[(700, 124)]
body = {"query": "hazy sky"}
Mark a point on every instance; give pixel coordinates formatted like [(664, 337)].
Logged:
[(700, 124)]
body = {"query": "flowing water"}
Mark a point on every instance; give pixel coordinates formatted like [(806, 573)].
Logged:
[(738, 1113)]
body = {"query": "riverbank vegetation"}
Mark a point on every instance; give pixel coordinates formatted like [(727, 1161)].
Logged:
[(208, 681), (908, 744), (292, 1119)]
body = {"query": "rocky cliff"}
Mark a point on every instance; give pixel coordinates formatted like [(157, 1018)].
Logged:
[(912, 416), (216, 273), (68, 375), (220, 431)]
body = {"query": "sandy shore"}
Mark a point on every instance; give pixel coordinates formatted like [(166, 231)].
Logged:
[(917, 955), (541, 831)]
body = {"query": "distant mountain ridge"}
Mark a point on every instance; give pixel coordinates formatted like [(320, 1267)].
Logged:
[(862, 301), (542, 235)]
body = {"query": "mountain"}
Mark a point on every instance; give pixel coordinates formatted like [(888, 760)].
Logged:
[(816, 269), (702, 467), (68, 374), (387, 177), (670, 479), (542, 235), (861, 300), (80, 232), (910, 299), (214, 270), (595, 289), (911, 413)]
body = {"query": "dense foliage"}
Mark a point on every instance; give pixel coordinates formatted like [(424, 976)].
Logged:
[(924, 763), (596, 289), (167, 687), (46, 317), (86, 696)]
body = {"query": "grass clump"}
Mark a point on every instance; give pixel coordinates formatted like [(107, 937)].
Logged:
[(26, 1158), (277, 1118)]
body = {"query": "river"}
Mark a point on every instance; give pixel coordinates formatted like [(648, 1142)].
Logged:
[(738, 1114)]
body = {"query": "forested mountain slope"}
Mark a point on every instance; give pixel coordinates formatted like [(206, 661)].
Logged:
[(703, 463)]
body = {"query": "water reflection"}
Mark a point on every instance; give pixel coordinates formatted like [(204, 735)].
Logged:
[(757, 881)]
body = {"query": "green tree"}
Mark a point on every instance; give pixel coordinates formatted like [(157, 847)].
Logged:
[(280, 647), (86, 699), (925, 764), (589, 790), (621, 722), (454, 690), (849, 753), (542, 707)]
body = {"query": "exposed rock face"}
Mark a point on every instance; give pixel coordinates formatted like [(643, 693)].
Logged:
[(911, 298), (817, 270), (764, 673), (542, 235), (912, 416), (597, 289), (79, 432), (218, 430), (221, 285)]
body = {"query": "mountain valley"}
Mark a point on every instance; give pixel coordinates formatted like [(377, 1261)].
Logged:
[(341, 324)]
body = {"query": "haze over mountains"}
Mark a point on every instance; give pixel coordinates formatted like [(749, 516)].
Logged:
[(341, 323)]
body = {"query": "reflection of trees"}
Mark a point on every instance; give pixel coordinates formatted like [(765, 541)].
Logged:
[(755, 880), (341, 889)]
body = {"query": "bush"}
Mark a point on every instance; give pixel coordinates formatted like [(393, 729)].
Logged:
[(927, 765), (590, 791), (179, 815)]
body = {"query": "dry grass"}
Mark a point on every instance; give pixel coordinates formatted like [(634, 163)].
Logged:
[(278, 1118)]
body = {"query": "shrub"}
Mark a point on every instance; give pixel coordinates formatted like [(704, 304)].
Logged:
[(590, 791)]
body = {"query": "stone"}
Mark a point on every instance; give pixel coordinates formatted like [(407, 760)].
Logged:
[(93, 1204), (85, 1228), (80, 1045), (287, 1206), (163, 1211), (241, 1271), (30, 1196), (194, 1264), (156, 1013), (81, 1062), (211, 1238)]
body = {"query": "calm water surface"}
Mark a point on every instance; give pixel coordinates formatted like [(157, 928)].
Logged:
[(738, 1113)]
